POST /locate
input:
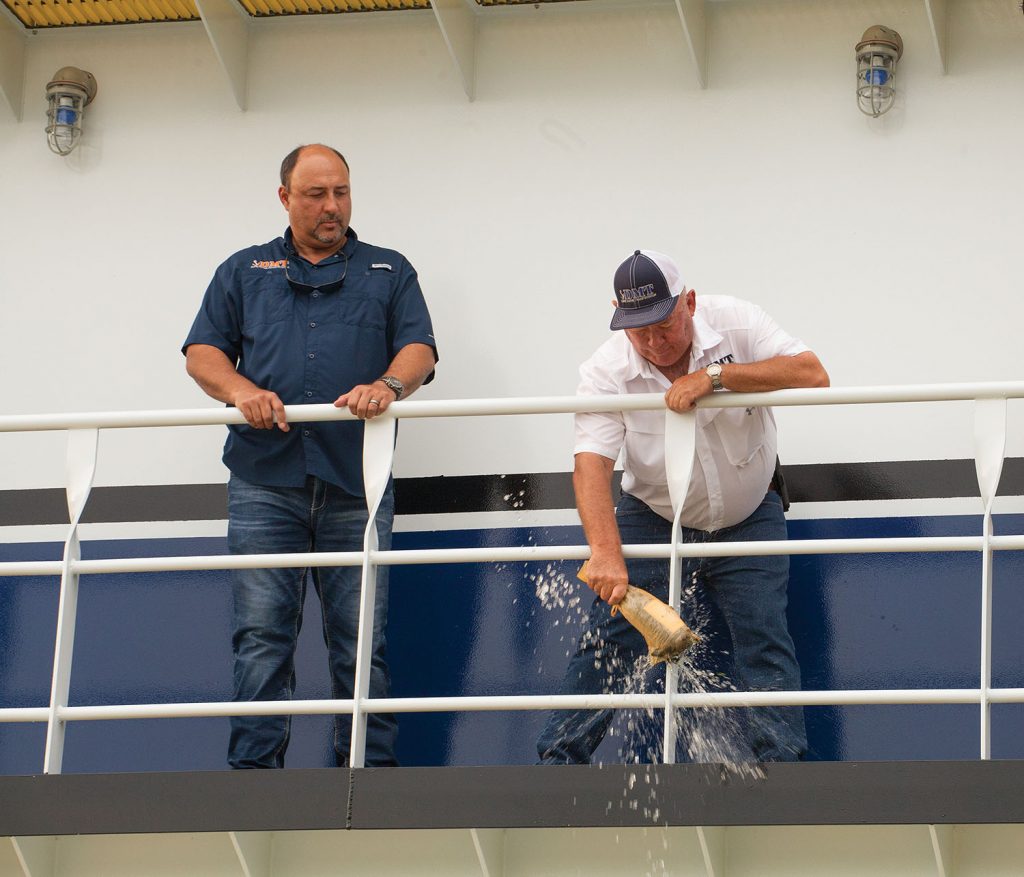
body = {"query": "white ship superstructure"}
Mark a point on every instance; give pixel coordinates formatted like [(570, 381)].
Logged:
[(516, 153)]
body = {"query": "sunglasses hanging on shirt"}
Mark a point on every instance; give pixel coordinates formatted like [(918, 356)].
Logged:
[(332, 286)]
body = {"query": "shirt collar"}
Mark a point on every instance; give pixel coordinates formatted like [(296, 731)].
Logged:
[(704, 338), (351, 239), (636, 365)]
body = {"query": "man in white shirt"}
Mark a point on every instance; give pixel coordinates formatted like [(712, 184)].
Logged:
[(669, 344)]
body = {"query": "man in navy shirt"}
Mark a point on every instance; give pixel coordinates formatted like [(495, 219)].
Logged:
[(315, 316)]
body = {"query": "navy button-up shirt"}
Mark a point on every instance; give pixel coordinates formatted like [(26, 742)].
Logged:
[(309, 346)]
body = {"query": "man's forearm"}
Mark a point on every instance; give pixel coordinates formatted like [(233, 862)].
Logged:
[(778, 373), (216, 375), (606, 569), (591, 481), (411, 366)]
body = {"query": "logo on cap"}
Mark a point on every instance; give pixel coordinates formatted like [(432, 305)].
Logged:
[(635, 297)]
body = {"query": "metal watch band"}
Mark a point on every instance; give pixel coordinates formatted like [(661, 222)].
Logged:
[(393, 384)]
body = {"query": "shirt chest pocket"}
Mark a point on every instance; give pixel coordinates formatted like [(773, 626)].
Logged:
[(266, 299), (645, 445), (741, 433), (365, 303)]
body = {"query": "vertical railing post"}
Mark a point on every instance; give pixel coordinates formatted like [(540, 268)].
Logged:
[(81, 469), (680, 447), (989, 450), (378, 454)]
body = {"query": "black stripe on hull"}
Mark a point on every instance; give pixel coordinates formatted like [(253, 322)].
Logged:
[(826, 482)]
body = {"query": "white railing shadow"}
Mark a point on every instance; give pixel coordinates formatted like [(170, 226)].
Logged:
[(990, 440)]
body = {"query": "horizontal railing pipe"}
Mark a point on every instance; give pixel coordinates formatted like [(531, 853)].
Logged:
[(416, 556), (524, 405), (379, 705), (867, 697), (25, 714), (511, 703), (1006, 695), (316, 413), (214, 709)]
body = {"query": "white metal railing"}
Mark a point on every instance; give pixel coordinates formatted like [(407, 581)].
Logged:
[(83, 432)]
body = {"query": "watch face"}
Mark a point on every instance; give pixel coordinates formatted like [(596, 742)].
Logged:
[(397, 387)]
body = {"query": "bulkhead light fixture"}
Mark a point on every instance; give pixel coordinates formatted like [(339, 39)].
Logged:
[(67, 95), (877, 53)]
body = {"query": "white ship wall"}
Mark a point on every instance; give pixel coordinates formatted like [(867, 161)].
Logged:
[(891, 246)]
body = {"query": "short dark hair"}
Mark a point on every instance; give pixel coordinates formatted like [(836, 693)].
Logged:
[(292, 159)]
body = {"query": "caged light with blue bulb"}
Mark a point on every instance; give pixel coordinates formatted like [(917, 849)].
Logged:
[(877, 53), (67, 95)]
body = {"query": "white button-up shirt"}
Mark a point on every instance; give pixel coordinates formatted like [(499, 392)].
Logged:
[(736, 447)]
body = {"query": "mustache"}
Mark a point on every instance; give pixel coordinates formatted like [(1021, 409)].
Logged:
[(329, 217)]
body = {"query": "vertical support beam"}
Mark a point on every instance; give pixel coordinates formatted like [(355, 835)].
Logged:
[(458, 27), (253, 851), (489, 844), (12, 63), (937, 16), (680, 447), (693, 15), (228, 29), (81, 466), (378, 453), (36, 855), (942, 847), (989, 449), (712, 848)]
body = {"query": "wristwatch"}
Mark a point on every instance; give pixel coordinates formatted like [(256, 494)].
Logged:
[(715, 373), (397, 387)]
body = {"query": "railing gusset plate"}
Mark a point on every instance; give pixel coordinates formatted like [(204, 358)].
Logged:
[(378, 454), (990, 449), (81, 469), (680, 451)]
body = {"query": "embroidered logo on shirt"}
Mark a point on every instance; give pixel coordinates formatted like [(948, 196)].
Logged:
[(279, 263), (383, 265)]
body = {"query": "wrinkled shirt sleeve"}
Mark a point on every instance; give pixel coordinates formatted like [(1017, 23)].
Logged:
[(769, 339), (219, 320), (602, 433), (408, 317)]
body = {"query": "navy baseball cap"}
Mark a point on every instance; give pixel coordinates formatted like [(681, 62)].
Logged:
[(647, 287)]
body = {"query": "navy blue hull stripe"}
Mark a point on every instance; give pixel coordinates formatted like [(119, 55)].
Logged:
[(827, 482)]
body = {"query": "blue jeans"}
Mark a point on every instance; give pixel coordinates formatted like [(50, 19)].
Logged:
[(749, 592), (268, 612)]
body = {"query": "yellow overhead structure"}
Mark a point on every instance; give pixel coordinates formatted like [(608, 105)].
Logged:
[(76, 13), (69, 13), (266, 8)]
